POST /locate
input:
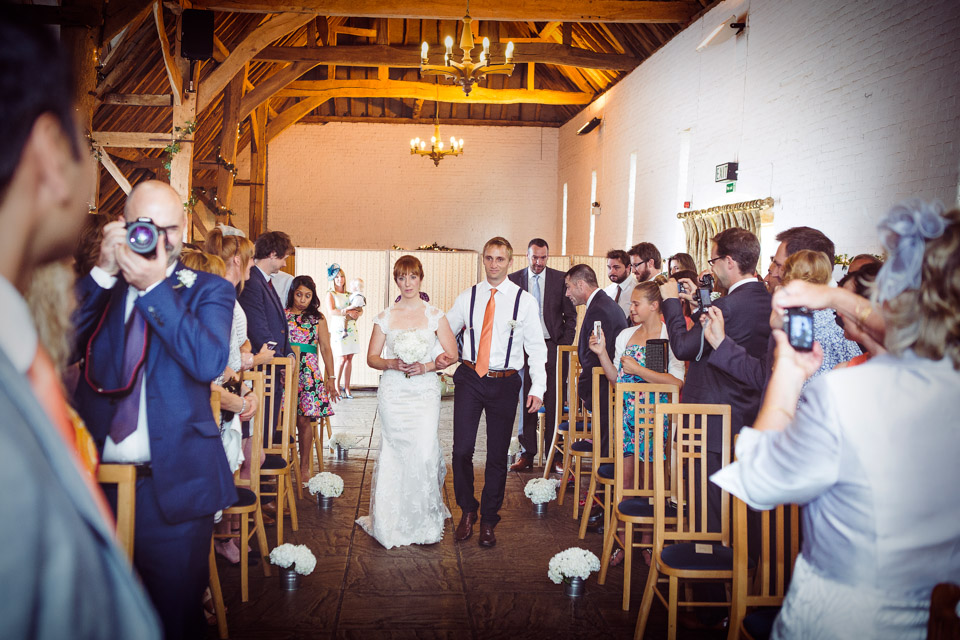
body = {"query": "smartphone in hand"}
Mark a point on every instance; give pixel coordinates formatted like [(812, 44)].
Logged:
[(272, 345)]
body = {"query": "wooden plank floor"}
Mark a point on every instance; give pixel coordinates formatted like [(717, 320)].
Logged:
[(445, 590)]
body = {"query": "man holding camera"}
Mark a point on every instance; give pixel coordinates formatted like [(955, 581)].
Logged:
[(746, 315), (153, 335)]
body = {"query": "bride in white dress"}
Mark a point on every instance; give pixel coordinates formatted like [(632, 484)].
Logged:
[(406, 494)]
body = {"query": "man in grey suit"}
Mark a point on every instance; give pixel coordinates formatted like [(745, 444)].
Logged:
[(558, 318), (61, 573)]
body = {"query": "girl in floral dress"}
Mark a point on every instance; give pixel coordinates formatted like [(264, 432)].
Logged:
[(308, 331)]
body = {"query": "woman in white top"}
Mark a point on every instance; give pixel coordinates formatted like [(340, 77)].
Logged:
[(873, 452)]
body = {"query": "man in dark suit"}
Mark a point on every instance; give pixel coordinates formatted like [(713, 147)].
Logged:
[(582, 288), (746, 316), (558, 318), (63, 574), (266, 320), (154, 335)]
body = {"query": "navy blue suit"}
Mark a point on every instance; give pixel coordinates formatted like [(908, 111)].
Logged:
[(266, 320), (188, 345), (612, 321)]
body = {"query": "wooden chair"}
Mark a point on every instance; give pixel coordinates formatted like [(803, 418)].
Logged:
[(779, 546), (633, 505), (565, 353), (248, 490), (696, 553), (278, 444), (216, 592), (601, 471), (319, 426), (576, 433), (125, 477)]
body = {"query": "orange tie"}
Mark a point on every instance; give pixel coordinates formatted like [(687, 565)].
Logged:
[(486, 335), (49, 393)]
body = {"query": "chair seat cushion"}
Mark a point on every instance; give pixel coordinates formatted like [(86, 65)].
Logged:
[(273, 462), (565, 426), (641, 508), (583, 446), (684, 555), (759, 623), (246, 498), (606, 471)]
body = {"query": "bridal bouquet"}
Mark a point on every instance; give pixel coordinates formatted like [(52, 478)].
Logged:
[(572, 563), (411, 347), (297, 556), (341, 440), (327, 484), (514, 447), (541, 490)]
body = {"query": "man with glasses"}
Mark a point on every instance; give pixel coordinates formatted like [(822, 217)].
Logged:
[(645, 261)]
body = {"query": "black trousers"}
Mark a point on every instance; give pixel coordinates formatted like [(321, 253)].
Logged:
[(585, 391), (496, 398), (172, 561), (528, 421)]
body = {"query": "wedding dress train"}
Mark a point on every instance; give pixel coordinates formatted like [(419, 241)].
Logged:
[(406, 494)]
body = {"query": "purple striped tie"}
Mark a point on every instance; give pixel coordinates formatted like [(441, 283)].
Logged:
[(128, 408)]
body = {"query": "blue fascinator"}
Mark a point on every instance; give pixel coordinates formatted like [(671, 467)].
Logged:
[(332, 271), (904, 233)]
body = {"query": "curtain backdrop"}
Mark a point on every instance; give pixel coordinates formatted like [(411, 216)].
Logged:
[(702, 225)]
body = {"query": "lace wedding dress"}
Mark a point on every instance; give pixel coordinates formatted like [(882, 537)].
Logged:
[(406, 497)]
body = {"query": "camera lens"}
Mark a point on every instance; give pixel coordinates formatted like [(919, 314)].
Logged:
[(142, 237)]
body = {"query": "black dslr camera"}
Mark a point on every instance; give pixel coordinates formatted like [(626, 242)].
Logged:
[(798, 323), (704, 292), (143, 236)]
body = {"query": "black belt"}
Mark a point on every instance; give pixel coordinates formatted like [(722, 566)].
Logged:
[(144, 470), (505, 373)]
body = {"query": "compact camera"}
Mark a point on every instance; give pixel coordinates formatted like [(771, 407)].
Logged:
[(143, 236), (798, 324), (597, 329), (704, 292)]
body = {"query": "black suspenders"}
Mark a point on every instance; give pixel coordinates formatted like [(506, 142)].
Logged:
[(473, 342), (516, 308)]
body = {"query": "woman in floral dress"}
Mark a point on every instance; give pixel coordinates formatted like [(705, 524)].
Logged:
[(308, 331), (343, 326)]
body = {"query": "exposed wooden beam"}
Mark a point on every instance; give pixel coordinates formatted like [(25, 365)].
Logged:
[(277, 27), (114, 171), (258, 172), (181, 165), (666, 11), (375, 55), (428, 122), (135, 139), (139, 99), (130, 26), (356, 31), (228, 137), (427, 91), (269, 87), (132, 55), (417, 108), (291, 115), (173, 71), (530, 75)]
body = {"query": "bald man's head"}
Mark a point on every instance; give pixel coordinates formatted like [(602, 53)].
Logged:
[(160, 203)]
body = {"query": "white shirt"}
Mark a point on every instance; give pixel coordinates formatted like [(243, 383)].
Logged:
[(543, 283), (281, 281), (675, 367), (739, 283), (135, 448), (626, 290), (18, 337), (527, 336)]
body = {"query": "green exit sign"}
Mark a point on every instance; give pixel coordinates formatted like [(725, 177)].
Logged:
[(731, 187)]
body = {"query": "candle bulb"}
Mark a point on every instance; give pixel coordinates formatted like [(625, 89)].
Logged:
[(423, 145), (486, 46), (449, 42), (461, 143), (440, 145), (509, 52), (423, 52)]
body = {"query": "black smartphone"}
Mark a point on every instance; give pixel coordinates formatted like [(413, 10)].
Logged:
[(798, 323)]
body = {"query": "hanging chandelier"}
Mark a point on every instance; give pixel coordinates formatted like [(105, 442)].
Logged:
[(436, 152), (465, 73)]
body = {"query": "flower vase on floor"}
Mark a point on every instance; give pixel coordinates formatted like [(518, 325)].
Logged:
[(572, 567), (289, 579), (325, 503), (341, 452), (540, 508), (340, 444), (294, 560), (574, 587), (325, 486), (513, 451), (541, 491)]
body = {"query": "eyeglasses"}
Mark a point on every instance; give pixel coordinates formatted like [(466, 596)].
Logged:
[(710, 262)]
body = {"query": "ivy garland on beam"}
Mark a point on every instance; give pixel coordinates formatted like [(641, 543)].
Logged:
[(180, 135)]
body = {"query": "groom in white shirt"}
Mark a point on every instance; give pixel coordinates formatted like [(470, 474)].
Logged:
[(500, 323)]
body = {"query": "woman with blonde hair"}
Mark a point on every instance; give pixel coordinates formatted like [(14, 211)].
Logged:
[(872, 451), (344, 337)]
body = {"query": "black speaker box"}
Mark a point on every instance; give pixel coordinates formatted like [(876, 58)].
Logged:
[(196, 34)]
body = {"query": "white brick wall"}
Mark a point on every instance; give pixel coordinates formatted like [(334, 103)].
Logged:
[(357, 186), (837, 110)]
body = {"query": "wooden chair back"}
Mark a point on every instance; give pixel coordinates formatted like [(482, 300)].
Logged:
[(257, 380), (779, 546), (278, 426), (125, 477), (598, 458), (562, 405), (689, 422), (645, 430)]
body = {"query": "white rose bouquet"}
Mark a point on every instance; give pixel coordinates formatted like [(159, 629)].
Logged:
[(572, 563), (411, 347), (541, 490), (297, 556), (327, 484)]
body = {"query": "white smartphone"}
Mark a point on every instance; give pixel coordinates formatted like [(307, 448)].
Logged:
[(272, 345), (597, 329)]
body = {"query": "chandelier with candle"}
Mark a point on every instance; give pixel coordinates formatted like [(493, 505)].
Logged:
[(436, 152), (466, 73)]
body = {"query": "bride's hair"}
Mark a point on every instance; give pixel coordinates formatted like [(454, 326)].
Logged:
[(407, 264)]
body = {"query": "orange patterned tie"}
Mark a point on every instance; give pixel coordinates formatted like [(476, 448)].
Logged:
[(486, 335)]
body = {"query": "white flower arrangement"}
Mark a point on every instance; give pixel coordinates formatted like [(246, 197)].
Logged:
[(410, 346), (541, 490), (514, 447), (327, 484), (572, 563), (341, 440), (298, 556), (186, 277), (513, 324)]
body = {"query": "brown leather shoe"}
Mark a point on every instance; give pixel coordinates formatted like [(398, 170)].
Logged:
[(465, 528), (487, 539), (522, 464)]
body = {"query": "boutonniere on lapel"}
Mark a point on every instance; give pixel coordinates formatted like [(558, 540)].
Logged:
[(513, 324), (186, 277)]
